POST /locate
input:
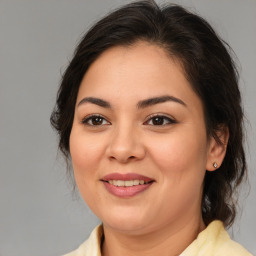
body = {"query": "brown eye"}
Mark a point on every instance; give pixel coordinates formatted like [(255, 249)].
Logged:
[(160, 120), (95, 121)]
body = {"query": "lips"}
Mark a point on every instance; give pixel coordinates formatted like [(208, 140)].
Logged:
[(126, 185)]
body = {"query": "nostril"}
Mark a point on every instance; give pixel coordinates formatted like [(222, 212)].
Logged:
[(122, 159), (125, 152)]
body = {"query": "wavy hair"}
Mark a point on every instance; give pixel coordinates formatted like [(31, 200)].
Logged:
[(208, 66)]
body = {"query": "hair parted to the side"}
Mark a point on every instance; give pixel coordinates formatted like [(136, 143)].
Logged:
[(208, 67)]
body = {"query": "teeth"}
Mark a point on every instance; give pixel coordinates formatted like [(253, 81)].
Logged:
[(126, 183), (120, 183), (136, 182)]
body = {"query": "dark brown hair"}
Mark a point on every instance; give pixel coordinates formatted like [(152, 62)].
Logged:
[(208, 67)]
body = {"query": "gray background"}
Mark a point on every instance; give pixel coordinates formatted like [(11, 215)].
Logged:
[(38, 214)]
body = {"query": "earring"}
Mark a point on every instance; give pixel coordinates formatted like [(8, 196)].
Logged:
[(215, 165)]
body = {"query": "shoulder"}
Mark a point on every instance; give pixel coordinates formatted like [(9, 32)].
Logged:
[(232, 248), (215, 241), (91, 247)]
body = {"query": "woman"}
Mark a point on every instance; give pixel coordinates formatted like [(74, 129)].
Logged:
[(149, 111)]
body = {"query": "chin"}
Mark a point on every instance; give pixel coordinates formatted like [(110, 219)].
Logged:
[(125, 221)]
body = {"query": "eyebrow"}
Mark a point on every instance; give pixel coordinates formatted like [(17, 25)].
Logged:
[(141, 104), (96, 101), (157, 100)]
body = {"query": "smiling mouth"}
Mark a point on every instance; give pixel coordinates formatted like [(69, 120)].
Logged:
[(128, 183)]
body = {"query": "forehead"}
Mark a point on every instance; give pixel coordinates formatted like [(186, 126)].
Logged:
[(136, 72)]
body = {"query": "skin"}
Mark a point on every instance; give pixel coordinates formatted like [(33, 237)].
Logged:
[(166, 218)]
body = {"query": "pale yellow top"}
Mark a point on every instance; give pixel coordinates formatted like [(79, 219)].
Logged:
[(213, 241)]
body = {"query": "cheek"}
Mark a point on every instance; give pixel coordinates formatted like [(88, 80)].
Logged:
[(179, 154), (181, 164), (86, 153), (84, 150)]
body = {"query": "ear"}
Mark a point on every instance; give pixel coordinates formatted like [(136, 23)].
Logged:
[(217, 148)]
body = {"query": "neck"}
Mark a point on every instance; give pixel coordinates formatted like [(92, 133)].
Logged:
[(170, 240)]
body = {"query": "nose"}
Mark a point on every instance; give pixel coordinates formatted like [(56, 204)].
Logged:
[(125, 145)]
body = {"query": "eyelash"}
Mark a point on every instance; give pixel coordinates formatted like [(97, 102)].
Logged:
[(87, 119), (167, 120)]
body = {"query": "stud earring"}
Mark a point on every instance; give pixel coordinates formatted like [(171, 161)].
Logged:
[(215, 165)]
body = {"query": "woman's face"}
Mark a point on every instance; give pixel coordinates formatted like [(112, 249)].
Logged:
[(138, 120)]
